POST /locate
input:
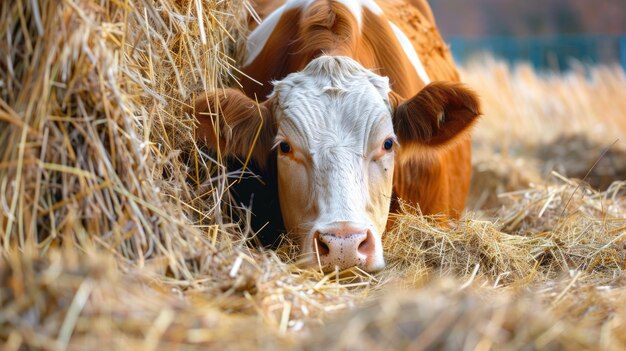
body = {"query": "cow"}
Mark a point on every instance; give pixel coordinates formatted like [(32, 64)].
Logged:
[(359, 104)]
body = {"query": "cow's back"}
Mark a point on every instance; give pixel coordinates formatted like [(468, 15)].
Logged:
[(419, 26)]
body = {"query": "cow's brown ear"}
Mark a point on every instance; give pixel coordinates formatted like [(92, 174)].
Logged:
[(437, 114), (232, 124)]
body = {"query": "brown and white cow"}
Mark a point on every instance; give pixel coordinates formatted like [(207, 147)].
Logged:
[(361, 104)]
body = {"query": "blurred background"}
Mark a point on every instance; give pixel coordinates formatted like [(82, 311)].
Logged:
[(550, 34)]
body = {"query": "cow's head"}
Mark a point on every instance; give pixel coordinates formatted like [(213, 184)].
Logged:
[(335, 132)]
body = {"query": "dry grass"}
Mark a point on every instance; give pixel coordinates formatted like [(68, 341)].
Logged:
[(534, 109), (115, 231)]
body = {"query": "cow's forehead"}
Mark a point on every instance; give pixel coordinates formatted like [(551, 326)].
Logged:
[(332, 94), (327, 73)]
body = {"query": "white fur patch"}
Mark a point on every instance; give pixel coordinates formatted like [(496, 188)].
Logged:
[(356, 7), (260, 35), (410, 52), (372, 6)]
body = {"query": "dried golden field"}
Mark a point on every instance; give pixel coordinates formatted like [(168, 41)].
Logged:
[(115, 227)]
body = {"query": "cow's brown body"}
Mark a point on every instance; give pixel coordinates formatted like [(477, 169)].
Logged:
[(436, 179)]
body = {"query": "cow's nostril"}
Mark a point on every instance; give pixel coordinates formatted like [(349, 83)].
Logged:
[(320, 247), (366, 247)]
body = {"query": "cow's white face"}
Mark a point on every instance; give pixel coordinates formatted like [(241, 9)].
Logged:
[(335, 145)]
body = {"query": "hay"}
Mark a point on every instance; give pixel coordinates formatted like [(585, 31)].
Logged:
[(92, 99), (540, 233), (443, 317), (116, 230), (529, 108), (75, 302)]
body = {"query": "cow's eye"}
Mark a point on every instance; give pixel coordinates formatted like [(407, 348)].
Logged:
[(285, 148), (388, 144)]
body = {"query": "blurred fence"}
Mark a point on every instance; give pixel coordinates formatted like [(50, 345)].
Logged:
[(544, 53)]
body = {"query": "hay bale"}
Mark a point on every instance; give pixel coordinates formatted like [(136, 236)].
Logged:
[(91, 99)]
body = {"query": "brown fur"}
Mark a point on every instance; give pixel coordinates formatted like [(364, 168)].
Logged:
[(380, 53), (279, 51), (433, 123), (326, 27), (418, 25), (436, 115), (240, 120)]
